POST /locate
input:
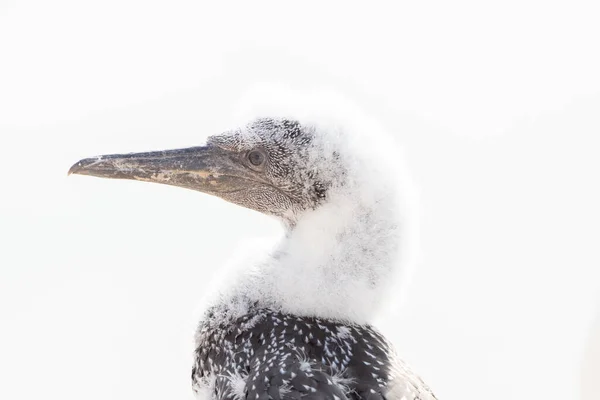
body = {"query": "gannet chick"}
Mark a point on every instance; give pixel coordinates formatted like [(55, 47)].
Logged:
[(297, 324)]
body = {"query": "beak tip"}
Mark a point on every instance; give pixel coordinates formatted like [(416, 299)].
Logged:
[(74, 169), (85, 166)]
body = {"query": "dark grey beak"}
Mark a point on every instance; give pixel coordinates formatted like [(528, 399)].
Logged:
[(207, 169)]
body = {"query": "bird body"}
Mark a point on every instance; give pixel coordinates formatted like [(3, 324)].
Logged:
[(298, 322), (266, 354)]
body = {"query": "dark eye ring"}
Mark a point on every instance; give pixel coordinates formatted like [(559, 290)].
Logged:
[(256, 158)]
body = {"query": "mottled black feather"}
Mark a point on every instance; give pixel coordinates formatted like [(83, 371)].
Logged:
[(281, 356)]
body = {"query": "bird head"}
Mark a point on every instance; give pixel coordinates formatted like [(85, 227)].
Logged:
[(331, 174), (277, 166)]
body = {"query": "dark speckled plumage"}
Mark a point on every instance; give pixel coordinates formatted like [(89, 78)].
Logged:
[(269, 355)]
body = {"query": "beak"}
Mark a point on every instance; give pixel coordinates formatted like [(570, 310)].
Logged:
[(207, 169)]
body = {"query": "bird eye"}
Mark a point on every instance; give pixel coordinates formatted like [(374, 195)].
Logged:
[(256, 158)]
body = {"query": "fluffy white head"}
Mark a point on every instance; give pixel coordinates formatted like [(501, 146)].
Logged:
[(344, 258)]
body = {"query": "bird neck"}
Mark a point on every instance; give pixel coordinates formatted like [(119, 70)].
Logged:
[(337, 262)]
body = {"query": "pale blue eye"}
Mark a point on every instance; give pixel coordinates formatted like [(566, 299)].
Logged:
[(256, 158)]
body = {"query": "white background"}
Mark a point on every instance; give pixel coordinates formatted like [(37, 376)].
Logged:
[(498, 110)]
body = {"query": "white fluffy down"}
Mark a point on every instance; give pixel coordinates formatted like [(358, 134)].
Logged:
[(344, 259)]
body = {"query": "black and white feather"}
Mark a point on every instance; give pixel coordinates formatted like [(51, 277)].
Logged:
[(271, 355)]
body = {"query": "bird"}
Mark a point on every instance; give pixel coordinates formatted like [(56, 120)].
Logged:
[(299, 323)]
